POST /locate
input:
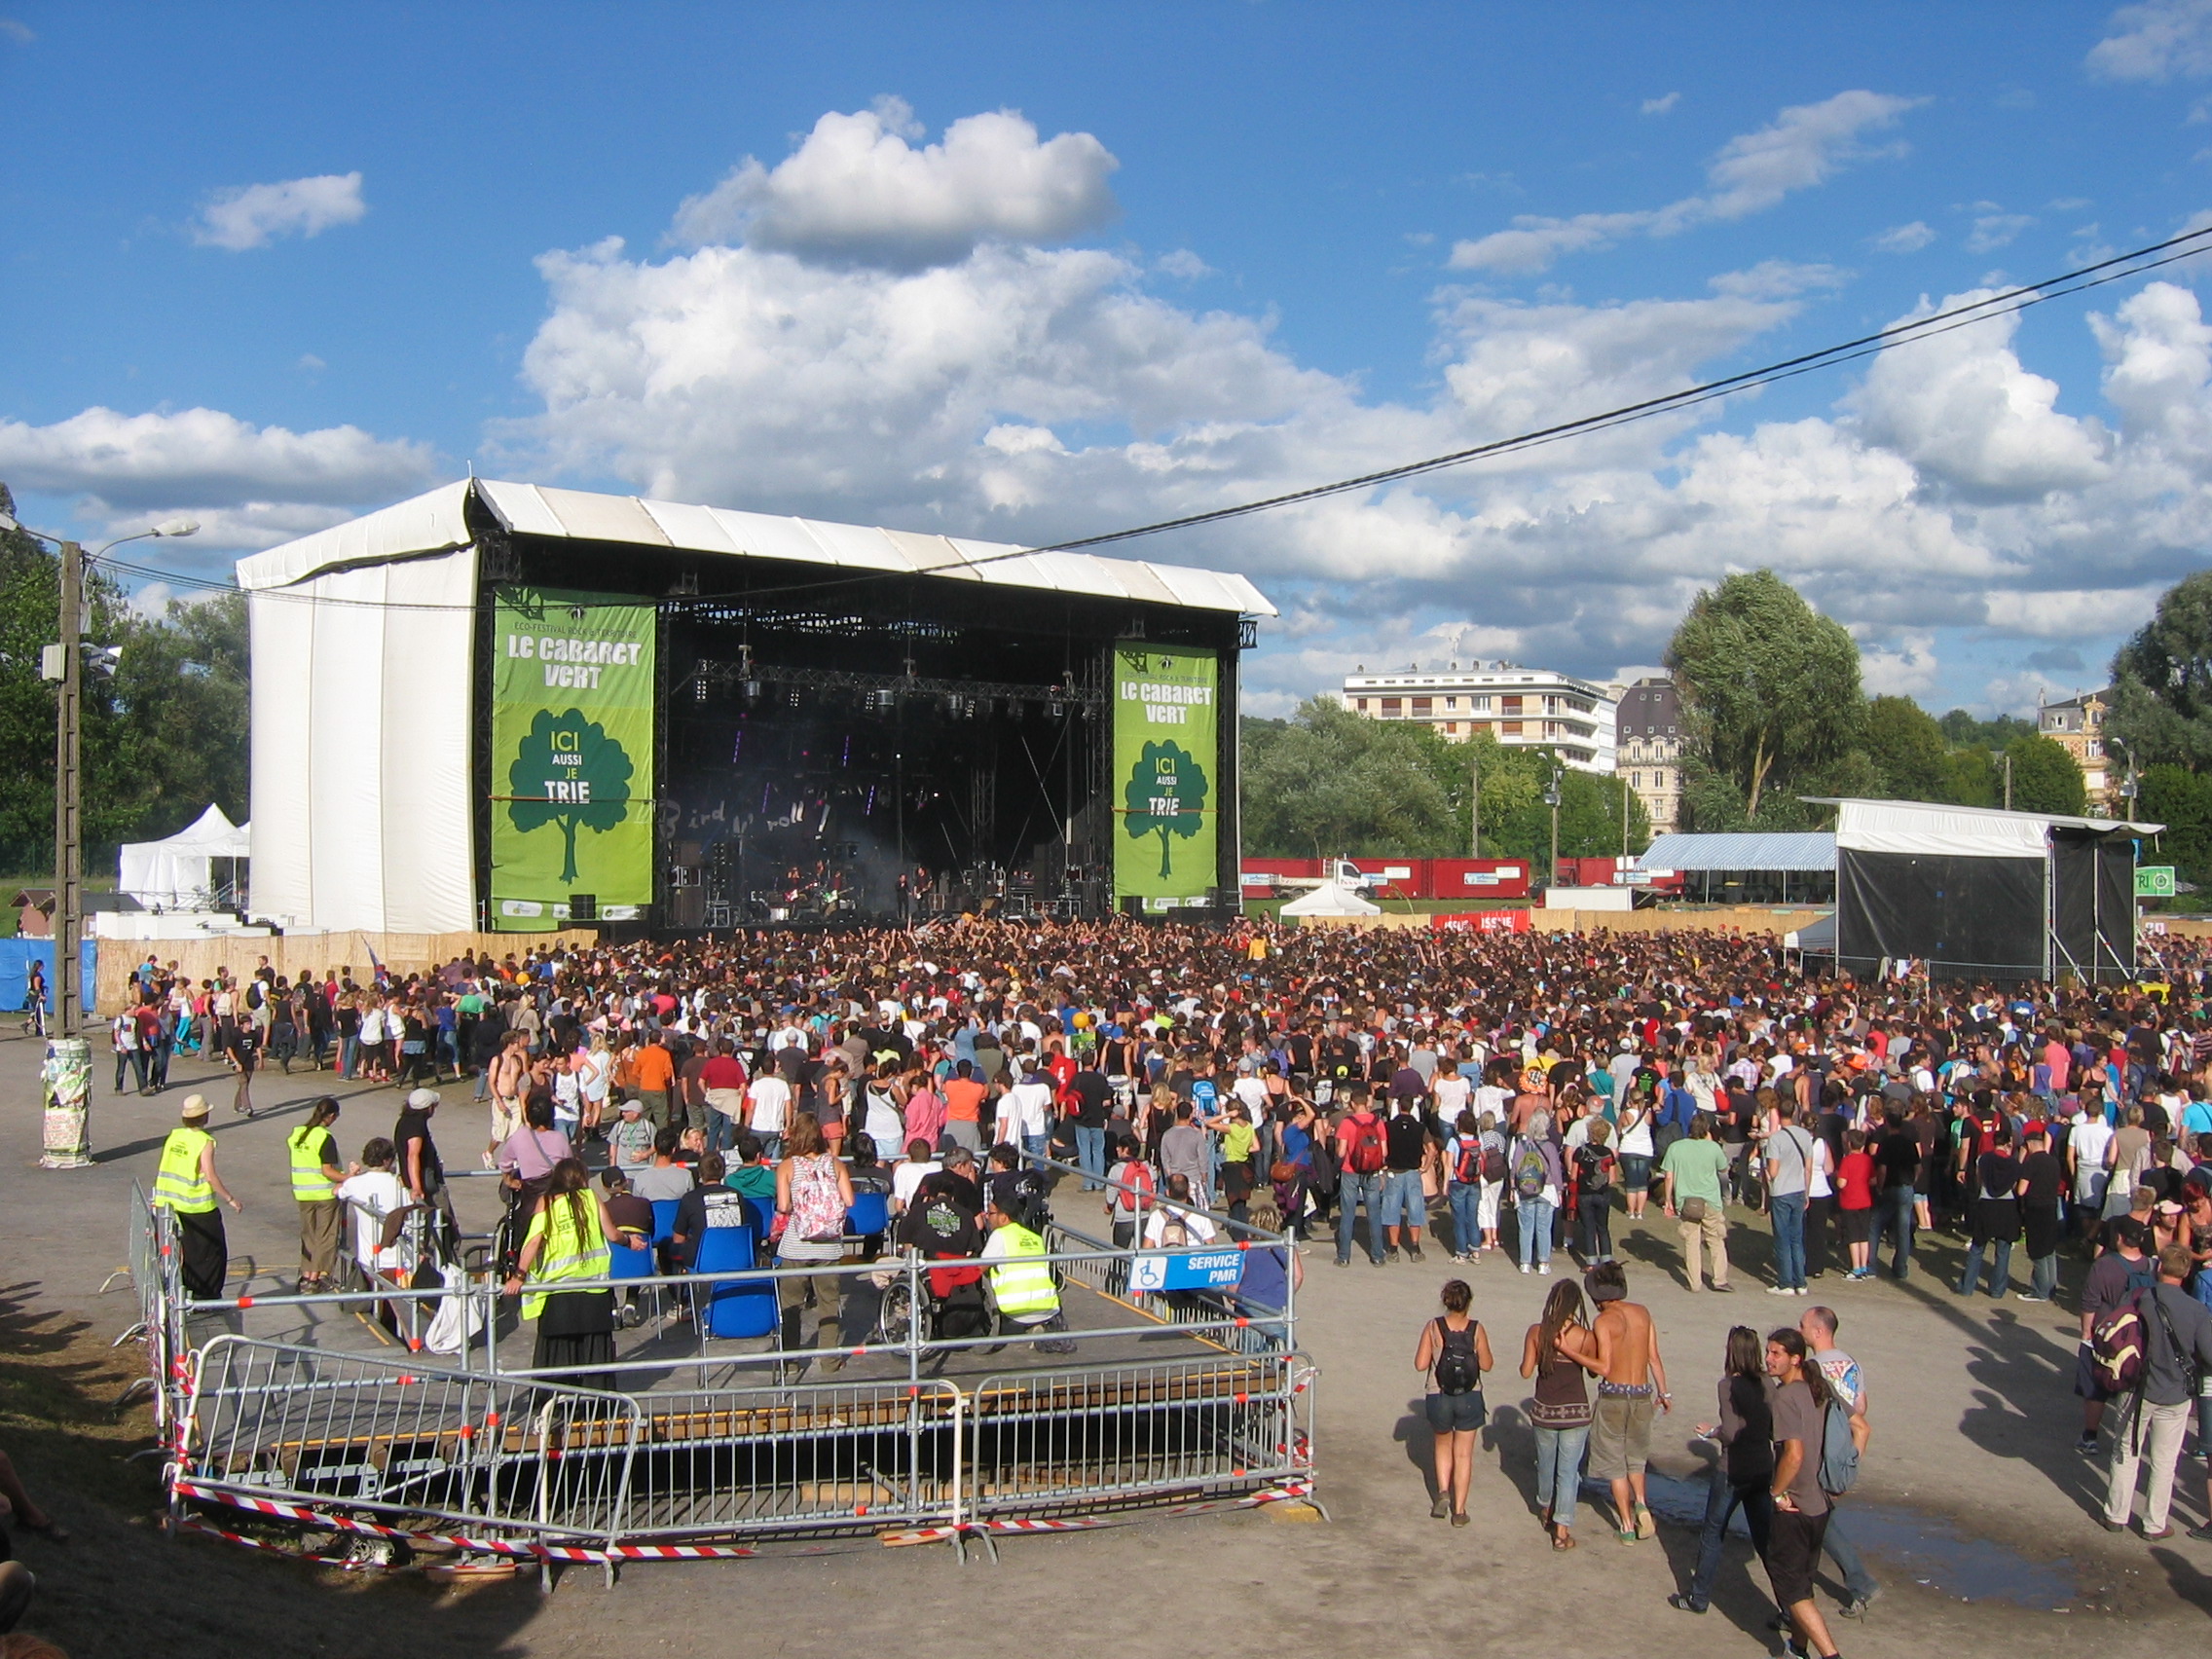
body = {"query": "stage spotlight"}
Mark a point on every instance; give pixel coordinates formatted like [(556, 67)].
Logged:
[(791, 698), (1053, 709), (752, 690)]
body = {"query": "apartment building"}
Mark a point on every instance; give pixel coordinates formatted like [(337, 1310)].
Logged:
[(1524, 707), (1648, 725), (2077, 727)]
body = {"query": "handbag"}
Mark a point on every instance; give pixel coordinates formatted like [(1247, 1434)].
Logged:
[(1692, 1210), (1282, 1171)]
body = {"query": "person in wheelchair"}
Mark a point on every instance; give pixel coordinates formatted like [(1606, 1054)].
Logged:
[(940, 1225)]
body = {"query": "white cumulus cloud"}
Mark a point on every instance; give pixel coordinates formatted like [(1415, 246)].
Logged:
[(249, 485), (1752, 172), (1961, 407), (2156, 42), (1904, 238), (858, 191), (253, 216)]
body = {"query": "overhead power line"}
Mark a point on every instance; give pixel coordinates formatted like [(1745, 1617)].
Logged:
[(2012, 301)]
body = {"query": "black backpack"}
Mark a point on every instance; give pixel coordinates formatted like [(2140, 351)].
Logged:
[(1590, 1165), (1457, 1372)]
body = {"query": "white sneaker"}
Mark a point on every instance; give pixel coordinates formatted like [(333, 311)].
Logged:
[(1544, 1269), (1780, 1290), (1524, 1266)]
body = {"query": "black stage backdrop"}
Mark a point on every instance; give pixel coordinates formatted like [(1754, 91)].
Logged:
[(1967, 918)]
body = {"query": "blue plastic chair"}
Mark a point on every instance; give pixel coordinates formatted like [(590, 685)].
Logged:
[(664, 1220), (870, 1217), (624, 1263), (763, 1217), (736, 1307)]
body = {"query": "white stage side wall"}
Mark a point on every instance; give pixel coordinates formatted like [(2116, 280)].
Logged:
[(362, 707)]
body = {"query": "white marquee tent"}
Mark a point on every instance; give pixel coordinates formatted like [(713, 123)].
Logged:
[(178, 873), (1331, 900)]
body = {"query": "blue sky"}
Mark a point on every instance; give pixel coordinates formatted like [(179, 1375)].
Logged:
[(1033, 272)]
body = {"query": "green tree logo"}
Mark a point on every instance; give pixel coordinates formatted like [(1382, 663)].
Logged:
[(1167, 795), (569, 772)]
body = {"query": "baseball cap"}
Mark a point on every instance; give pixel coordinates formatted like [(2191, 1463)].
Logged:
[(632, 1106)]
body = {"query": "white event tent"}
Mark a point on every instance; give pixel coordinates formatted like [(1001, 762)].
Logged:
[(178, 873)]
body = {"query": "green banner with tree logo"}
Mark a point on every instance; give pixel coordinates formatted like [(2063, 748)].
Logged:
[(572, 756), (1167, 798)]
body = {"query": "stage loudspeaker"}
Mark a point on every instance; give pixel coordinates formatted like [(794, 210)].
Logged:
[(1132, 905), (584, 906)]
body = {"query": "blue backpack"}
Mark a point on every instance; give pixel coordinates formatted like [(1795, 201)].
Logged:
[(1839, 1453)]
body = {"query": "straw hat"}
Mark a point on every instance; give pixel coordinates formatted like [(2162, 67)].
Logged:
[(195, 1106)]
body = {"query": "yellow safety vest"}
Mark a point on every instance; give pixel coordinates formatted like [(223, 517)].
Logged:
[(1022, 1284), (567, 1253), (179, 1183), (310, 1184)]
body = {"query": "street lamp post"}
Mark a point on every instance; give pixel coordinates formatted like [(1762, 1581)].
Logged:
[(69, 1058), (1551, 798)]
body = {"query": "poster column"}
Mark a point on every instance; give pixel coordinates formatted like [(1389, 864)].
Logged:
[(1166, 750), (572, 721)]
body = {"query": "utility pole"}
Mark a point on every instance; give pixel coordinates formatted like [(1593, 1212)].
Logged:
[(1474, 802), (1624, 815), (68, 804), (2007, 783), (1551, 795)]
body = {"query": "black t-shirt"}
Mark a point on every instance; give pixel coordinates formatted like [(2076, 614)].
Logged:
[(2046, 1177), (1896, 1151), (1093, 1094), (414, 1126), (1405, 1142), (730, 1209), (938, 1223), (1996, 1174)]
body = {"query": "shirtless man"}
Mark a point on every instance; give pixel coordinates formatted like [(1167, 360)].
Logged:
[(510, 1074), (1632, 1380)]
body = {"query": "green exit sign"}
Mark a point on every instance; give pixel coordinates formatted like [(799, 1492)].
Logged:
[(2154, 881)]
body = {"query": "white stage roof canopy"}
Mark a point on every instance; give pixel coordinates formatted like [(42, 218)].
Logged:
[(437, 523)]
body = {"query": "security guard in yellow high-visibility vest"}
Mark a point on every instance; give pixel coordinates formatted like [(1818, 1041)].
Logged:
[(316, 1175), (1020, 1281), (567, 1241), (186, 1185)]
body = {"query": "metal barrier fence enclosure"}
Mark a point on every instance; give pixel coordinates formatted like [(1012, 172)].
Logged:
[(718, 1453)]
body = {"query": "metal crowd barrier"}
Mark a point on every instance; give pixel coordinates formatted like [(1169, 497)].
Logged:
[(720, 1453)]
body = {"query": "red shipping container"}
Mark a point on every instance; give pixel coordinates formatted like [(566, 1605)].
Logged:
[(1478, 878)]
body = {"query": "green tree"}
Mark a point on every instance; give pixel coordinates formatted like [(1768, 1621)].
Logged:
[(1329, 782), (1166, 796), (569, 772), (1769, 686), (31, 600), (1911, 757), (2045, 778), (2181, 800), (1973, 778), (181, 689), (1963, 731), (2162, 706)]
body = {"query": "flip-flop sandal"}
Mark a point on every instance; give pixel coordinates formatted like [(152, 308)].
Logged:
[(1627, 1538), (1563, 1541)]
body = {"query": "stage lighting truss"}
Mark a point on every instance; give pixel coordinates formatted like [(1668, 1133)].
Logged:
[(963, 699)]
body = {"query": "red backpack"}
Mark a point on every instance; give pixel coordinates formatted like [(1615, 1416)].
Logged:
[(1364, 1148)]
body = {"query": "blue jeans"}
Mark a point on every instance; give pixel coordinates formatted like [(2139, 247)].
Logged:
[(1720, 1500), (1402, 1202), (1535, 1225), (1856, 1578), (1091, 1155), (2042, 1279), (1352, 1191), (1033, 1148), (1788, 1211), (348, 1057), (1559, 1470), (1467, 1209), (2001, 1269), (1892, 1212)]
